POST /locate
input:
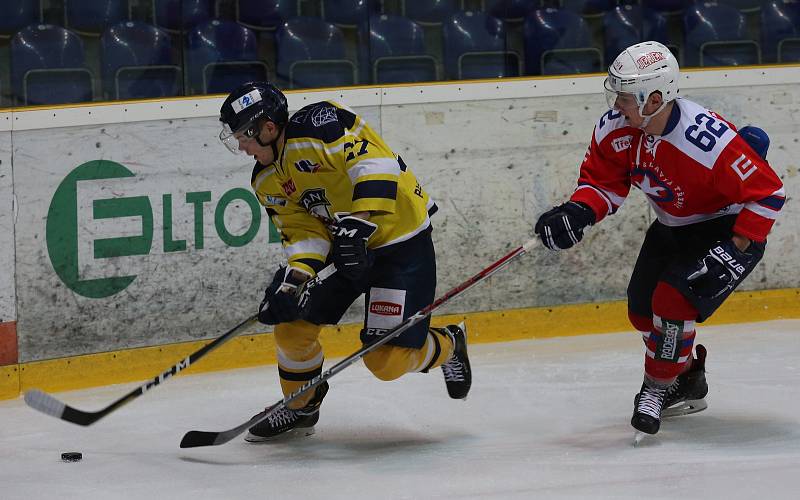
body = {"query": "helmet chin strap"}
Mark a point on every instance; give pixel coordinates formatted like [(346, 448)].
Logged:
[(647, 118)]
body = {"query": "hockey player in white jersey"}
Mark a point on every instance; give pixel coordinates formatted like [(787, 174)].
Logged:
[(715, 197)]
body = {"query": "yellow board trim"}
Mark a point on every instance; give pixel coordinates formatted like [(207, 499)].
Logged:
[(137, 365)]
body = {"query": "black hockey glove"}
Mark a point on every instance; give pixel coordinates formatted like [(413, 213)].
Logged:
[(350, 253), (282, 302), (722, 268), (562, 227)]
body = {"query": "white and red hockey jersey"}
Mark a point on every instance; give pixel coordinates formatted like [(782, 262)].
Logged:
[(699, 169)]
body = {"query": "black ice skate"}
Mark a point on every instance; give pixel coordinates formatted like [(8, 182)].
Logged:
[(457, 373), (647, 407), (686, 395), (286, 422)]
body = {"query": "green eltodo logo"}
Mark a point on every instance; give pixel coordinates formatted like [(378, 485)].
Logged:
[(67, 234)]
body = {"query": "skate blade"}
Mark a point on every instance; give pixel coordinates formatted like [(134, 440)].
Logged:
[(685, 408), (637, 438), (290, 435)]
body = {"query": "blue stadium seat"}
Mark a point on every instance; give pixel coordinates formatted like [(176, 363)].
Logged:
[(475, 47), (221, 55), (347, 13), (265, 14), (397, 50), (93, 16), (745, 5), (16, 14), (780, 31), (510, 10), (559, 42), (48, 66), (429, 11), (589, 7), (629, 24), (311, 53), (180, 15), (137, 62), (667, 6), (716, 35)]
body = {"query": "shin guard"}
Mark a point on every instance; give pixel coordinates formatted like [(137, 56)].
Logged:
[(669, 345), (300, 357)]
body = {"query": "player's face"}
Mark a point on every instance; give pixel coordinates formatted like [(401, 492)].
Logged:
[(249, 144), (626, 104)]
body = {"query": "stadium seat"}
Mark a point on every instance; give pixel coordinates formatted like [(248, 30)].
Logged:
[(429, 12), (397, 50), (630, 24), (667, 6), (780, 31), (475, 47), (589, 7), (347, 13), (716, 35), (745, 5), (48, 66), (265, 14), (16, 14), (221, 55), (137, 62), (180, 15), (510, 10), (94, 16), (559, 42), (311, 53)]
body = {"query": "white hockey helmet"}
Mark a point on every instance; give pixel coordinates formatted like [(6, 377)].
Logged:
[(640, 70)]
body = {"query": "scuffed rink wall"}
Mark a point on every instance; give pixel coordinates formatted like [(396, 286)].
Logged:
[(135, 227), (133, 234), (8, 336)]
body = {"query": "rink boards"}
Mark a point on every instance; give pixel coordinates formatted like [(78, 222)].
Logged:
[(129, 231)]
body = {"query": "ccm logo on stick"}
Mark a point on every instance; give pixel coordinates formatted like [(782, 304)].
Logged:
[(385, 308)]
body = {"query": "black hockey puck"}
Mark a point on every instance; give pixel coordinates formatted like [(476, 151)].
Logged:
[(72, 456)]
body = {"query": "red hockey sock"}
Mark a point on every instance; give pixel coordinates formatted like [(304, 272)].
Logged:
[(669, 345), (643, 324)]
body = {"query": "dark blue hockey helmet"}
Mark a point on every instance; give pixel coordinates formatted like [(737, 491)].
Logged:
[(247, 107), (756, 138)]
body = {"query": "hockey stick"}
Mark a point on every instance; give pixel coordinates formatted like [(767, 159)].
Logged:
[(46, 403), (194, 439)]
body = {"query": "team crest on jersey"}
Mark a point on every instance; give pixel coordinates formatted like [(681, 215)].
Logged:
[(648, 59), (289, 187), (316, 203), (655, 188), (307, 166), (621, 143), (323, 115)]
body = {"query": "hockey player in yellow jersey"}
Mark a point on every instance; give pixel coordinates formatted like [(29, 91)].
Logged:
[(338, 194)]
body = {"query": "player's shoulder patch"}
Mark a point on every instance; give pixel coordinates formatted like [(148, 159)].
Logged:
[(610, 121), (322, 120)]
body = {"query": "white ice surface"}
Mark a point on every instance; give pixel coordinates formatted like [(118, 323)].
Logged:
[(545, 419)]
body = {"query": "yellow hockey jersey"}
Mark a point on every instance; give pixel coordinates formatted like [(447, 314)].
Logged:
[(333, 163)]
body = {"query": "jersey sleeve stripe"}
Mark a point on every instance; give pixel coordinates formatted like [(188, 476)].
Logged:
[(603, 195), (375, 189), (767, 213), (316, 246), (373, 166), (773, 202)]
